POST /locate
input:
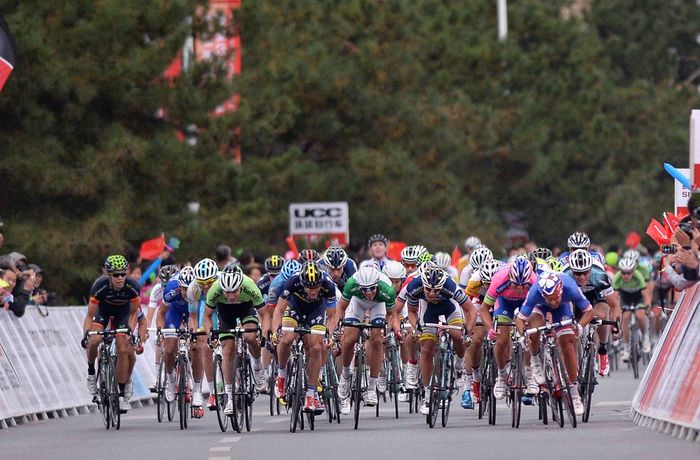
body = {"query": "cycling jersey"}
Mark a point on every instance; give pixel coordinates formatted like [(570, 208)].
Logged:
[(571, 293), (349, 269), (178, 307), (264, 284), (384, 299), (305, 311), (275, 289), (379, 263), (112, 303), (385, 293), (156, 296), (599, 284), (465, 275), (630, 291), (243, 308), (502, 295), (447, 303)]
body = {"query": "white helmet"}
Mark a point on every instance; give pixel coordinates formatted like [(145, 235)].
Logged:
[(631, 254), (488, 268), (580, 260), (578, 240), (410, 254), (433, 276), (231, 281), (394, 270), (627, 264), (471, 242), (367, 276), (205, 270), (479, 256), (443, 259)]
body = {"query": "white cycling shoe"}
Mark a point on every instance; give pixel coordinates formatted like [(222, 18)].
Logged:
[(499, 389)]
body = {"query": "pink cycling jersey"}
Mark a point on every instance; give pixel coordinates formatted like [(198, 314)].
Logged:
[(503, 288)]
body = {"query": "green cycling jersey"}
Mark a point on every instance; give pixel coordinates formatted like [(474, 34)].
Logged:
[(385, 293), (250, 295)]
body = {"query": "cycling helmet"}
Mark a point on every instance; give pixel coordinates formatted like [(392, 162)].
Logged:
[(290, 268), (443, 260), (471, 242), (205, 270), (394, 270), (273, 264), (377, 237), (410, 254), (165, 273), (479, 256), (115, 263), (520, 271), (425, 257), (231, 281), (367, 277), (631, 254), (185, 276), (554, 264), (580, 260), (311, 275), (309, 254), (627, 264), (433, 277), (579, 240), (233, 266), (550, 284), (488, 268), (540, 253), (335, 257)]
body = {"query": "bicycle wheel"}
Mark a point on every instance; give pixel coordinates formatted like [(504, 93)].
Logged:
[(294, 397), (542, 402), (220, 393), (357, 387), (448, 378), (435, 389), (182, 404), (115, 412), (566, 395), (517, 385), (160, 392), (237, 386), (274, 400), (492, 382), (587, 384), (634, 350), (396, 380), (103, 388), (556, 392), (248, 393)]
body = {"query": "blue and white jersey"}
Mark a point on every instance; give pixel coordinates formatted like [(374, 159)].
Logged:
[(172, 297), (450, 290), (571, 293), (348, 270)]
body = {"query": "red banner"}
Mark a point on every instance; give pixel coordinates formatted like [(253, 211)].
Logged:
[(152, 249)]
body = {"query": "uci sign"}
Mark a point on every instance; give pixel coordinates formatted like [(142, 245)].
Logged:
[(316, 219)]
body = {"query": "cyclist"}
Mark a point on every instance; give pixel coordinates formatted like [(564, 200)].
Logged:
[(478, 257), (235, 297), (338, 265), (507, 292), (364, 294), (273, 267), (470, 245), (430, 296), (378, 245), (304, 303), (554, 295), (630, 284), (409, 257), (597, 286), (444, 261), (309, 254), (580, 240), (205, 273), (290, 268), (154, 301), (114, 297), (173, 312), (476, 290)]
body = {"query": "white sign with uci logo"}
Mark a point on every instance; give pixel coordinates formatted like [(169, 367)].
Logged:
[(319, 219)]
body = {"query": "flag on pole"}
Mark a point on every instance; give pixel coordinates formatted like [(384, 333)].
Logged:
[(8, 52), (394, 250), (456, 255), (152, 249), (658, 233)]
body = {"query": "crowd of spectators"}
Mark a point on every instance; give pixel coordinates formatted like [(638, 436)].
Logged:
[(20, 283)]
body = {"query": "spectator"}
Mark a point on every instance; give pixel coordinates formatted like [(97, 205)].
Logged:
[(20, 261), (6, 263), (684, 263), (254, 270), (5, 295), (223, 256), (21, 287), (39, 296)]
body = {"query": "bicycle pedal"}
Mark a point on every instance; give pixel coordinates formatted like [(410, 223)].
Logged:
[(153, 390)]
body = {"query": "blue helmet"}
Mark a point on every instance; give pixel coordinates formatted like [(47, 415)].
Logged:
[(549, 284), (290, 268), (335, 257), (520, 271)]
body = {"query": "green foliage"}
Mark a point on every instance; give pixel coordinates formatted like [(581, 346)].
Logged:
[(412, 112)]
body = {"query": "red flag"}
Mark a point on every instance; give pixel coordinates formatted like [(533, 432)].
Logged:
[(395, 248), (682, 213), (670, 222), (8, 52), (456, 255), (151, 249), (293, 246), (657, 232)]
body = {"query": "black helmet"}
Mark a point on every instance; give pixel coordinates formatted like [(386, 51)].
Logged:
[(311, 275), (273, 264), (166, 272), (307, 255), (378, 237)]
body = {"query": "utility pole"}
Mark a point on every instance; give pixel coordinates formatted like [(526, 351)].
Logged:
[(502, 20)]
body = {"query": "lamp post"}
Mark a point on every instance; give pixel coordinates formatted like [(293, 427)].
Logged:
[(502, 20)]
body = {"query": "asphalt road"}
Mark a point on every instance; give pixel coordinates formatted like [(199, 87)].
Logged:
[(609, 434)]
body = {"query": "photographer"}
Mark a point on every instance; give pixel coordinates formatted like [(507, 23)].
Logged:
[(21, 286)]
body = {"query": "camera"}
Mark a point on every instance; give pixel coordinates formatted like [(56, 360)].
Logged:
[(669, 248), (687, 227)]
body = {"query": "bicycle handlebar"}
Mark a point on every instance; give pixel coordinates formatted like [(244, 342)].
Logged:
[(444, 326), (301, 330), (364, 326), (123, 330), (548, 327)]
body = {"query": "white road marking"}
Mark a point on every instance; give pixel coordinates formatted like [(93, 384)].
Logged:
[(220, 449), (277, 420), (231, 439), (612, 403), (219, 458)]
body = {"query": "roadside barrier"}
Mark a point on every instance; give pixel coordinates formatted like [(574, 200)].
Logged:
[(668, 396)]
